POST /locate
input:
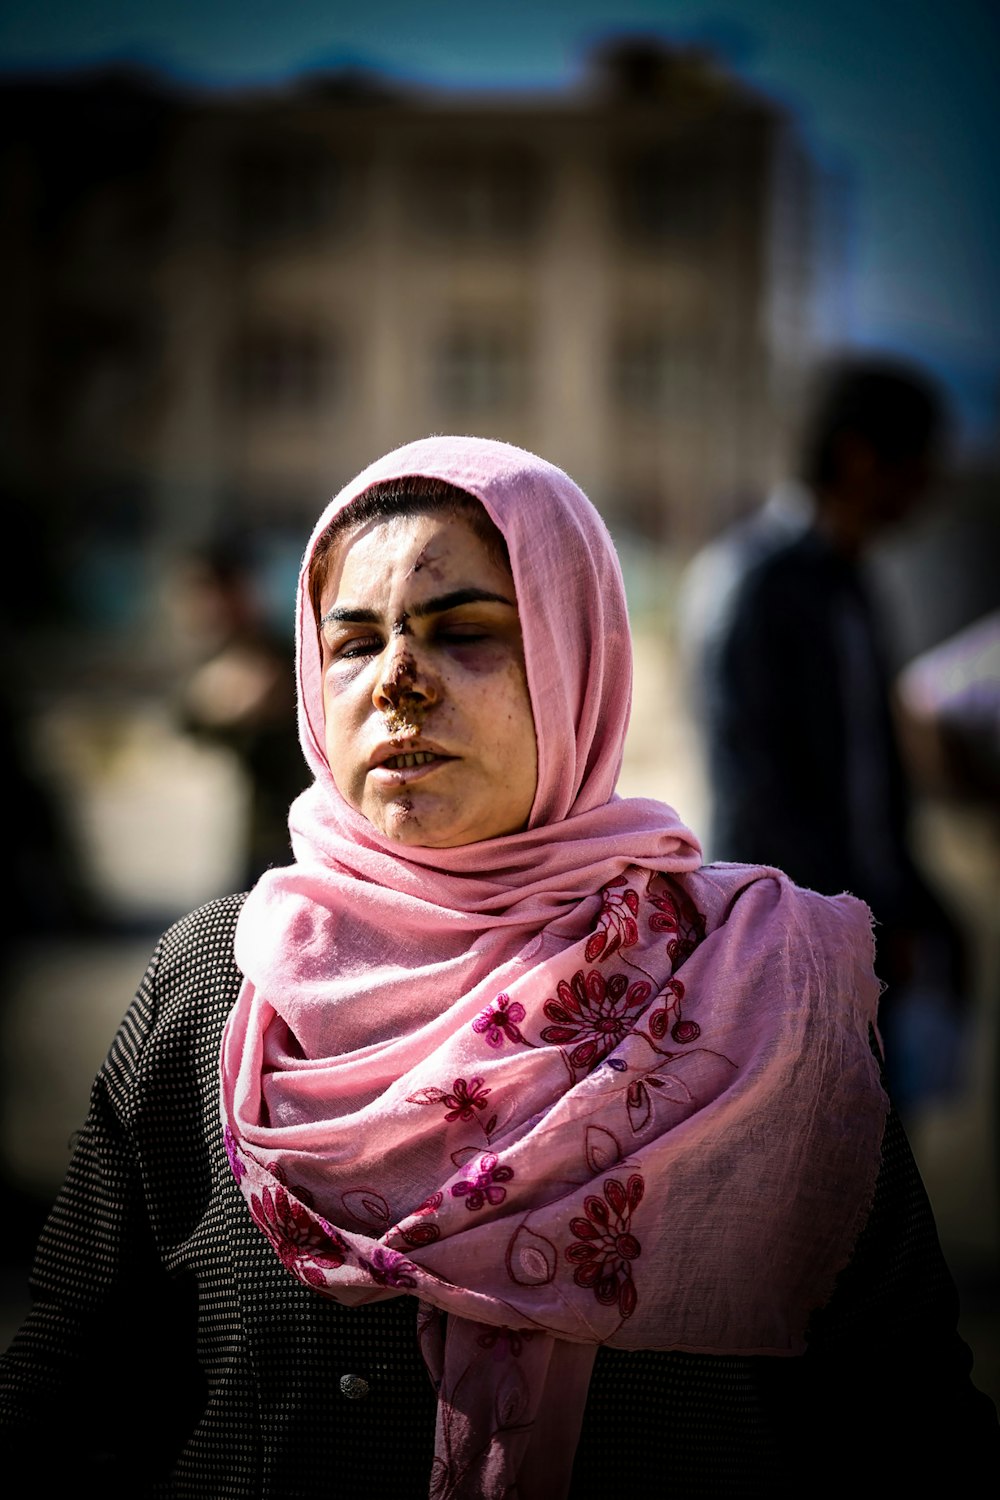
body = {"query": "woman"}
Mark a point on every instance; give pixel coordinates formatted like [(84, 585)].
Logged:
[(507, 1079)]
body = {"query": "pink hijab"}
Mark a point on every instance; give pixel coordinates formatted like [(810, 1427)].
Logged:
[(567, 1086)]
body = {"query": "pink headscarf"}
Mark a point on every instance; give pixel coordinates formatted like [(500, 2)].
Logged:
[(566, 1086)]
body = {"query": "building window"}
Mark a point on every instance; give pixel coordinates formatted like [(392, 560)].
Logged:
[(638, 513), (655, 374), (284, 191), (480, 370), (282, 370), (663, 196), (100, 374), (478, 196)]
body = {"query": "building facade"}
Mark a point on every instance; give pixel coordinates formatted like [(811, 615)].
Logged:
[(223, 306)]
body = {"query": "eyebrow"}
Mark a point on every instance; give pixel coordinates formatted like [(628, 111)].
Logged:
[(436, 606)]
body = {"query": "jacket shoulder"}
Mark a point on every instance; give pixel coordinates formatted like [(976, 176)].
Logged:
[(188, 989), (196, 954), (789, 573), (206, 932), (195, 958)]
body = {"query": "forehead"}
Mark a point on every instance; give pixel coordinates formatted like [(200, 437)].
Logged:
[(411, 557)]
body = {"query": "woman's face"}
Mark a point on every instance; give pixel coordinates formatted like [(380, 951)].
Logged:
[(429, 729)]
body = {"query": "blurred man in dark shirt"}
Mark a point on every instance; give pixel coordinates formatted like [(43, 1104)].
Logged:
[(791, 672)]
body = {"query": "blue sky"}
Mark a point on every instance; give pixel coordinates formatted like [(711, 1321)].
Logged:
[(900, 93)]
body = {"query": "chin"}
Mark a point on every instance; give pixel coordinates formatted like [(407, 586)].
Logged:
[(403, 824), (413, 832), (406, 823)]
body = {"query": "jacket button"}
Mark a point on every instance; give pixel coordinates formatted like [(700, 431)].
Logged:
[(353, 1387)]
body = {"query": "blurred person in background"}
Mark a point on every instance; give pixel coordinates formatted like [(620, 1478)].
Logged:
[(949, 698), (497, 1082), (48, 898), (786, 649), (238, 692)]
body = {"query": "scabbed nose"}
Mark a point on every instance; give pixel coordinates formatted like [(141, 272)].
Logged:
[(403, 684)]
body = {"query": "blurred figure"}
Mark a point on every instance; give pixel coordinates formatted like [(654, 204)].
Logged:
[(792, 683), (239, 693), (949, 699), (950, 702), (48, 899)]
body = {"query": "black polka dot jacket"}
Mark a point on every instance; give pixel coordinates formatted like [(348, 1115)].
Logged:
[(168, 1353)]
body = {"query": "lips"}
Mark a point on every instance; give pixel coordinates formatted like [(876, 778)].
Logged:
[(398, 757)]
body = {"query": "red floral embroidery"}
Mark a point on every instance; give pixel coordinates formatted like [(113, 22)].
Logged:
[(677, 914), (389, 1268), (594, 1012), (504, 1341), (461, 1104), (605, 1246), (660, 1018), (465, 1099), (418, 1235), (482, 1185), (617, 926), (305, 1243), (499, 1020), (233, 1154), (686, 1031), (422, 1233)]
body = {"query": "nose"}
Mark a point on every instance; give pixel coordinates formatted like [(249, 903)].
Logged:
[(404, 681)]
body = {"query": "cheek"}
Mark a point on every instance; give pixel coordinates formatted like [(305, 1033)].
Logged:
[(339, 732), (488, 678), (509, 709), (333, 710), (516, 750)]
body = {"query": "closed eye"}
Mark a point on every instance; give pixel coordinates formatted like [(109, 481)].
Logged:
[(483, 621), (458, 632), (355, 646)]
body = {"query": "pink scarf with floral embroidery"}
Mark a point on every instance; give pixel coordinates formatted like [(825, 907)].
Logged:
[(569, 1086)]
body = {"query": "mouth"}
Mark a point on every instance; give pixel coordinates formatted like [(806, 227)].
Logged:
[(408, 758), (406, 762)]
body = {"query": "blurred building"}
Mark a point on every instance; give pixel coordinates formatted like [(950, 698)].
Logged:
[(221, 306)]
